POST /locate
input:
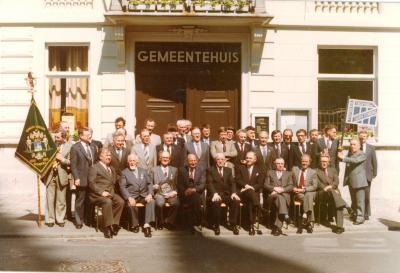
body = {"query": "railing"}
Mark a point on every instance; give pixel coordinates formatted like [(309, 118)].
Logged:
[(335, 116), (188, 6)]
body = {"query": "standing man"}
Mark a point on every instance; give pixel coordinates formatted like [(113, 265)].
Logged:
[(165, 182), (119, 154), (251, 136), (250, 180), (183, 130), (119, 123), (83, 155), (287, 141), (230, 134), (225, 147), (102, 180), (177, 152), (198, 148), (205, 133), (356, 178), (149, 125), (328, 144), (281, 150), (279, 184), (242, 148), (328, 192), (221, 188), (313, 137), (296, 151), (145, 151), (136, 187), (56, 181), (191, 185), (265, 154), (305, 187), (371, 168)]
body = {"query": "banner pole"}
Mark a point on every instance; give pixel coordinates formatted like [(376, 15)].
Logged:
[(340, 148), (39, 209)]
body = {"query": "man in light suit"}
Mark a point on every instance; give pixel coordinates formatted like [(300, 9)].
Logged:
[(145, 151), (182, 125), (102, 179), (119, 154), (356, 178), (149, 125), (165, 182), (83, 155), (198, 148), (328, 144), (136, 187), (191, 186), (305, 186), (328, 192), (56, 181), (225, 147), (371, 167), (279, 184)]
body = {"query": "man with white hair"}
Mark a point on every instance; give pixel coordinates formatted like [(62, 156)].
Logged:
[(182, 130)]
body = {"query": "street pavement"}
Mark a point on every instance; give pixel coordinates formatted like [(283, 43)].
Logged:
[(372, 247)]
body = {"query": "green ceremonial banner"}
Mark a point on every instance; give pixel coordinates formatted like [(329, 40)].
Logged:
[(36, 147)]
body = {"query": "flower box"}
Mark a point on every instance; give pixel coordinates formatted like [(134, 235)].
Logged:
[(228, 8), (142, 7), (168, 7), (242, 9)]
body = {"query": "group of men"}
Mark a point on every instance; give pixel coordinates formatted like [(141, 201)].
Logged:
[(185, 170)]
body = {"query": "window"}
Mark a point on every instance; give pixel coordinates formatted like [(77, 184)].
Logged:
[(68, 80), (343, 73)]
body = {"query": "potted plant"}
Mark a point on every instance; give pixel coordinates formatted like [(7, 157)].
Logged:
[(242, 6), (150, 5), (163, 5), (134, 5), (200, 5), (176, 5), (228, 6), (215, 6)]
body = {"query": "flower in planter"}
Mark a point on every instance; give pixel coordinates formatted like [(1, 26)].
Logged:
[(134, 2), (227, 4), (241, 4)]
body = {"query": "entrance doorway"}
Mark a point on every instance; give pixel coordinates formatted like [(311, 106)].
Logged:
[(201, 84)]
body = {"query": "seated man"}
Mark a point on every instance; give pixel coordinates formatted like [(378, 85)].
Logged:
[(191, 185), (165, 181), (328, 192), (102, 178), (279, 184), (250, 179), (305, 186), (136, 187), (221, 188)]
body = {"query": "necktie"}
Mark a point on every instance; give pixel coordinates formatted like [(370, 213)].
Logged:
[(169, 149), (89, 153), (223, 146), (198, 149), (119, 152), (278, 149), (242, 147), (109, 170), (301, 182), (264, 152), (329, 144), (165, 173), (279, 175), (220, 171), (191, 176), (146, 154)]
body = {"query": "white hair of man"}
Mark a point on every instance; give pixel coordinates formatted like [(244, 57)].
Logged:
[(133, 157)]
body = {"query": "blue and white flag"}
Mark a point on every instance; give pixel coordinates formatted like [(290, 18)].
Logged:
[(361, 112)]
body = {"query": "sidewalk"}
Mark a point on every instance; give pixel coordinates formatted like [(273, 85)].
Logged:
[(19, 215)]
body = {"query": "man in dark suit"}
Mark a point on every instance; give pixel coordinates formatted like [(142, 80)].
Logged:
[(175, 135), (296, 151), (183, 130), (288, 142), (371, 168), (313, 138), (265, 154), (281, 150), (328, 192), (136, 187), (279, 184), (250, 180), (329, 145), (119, 154), (198, 148), (177, 152), (242, 149), (221, 188), (191, 185), (83, 155), (165, 182), (251, 136), (102, 179)]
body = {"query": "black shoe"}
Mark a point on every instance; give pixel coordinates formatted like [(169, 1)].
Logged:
[(115, 230), (107, 233), (79, 226), (339, 230), (49, 224), (309, 229), (61, 224), (277, 232), (147, 232), (217, 231), (160, 227), (358, 223), (134, 229), (299, 231), (366, 217), (235, 230), (252, 232)]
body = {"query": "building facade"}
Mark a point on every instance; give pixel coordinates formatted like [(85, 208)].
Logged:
[(273, 64)]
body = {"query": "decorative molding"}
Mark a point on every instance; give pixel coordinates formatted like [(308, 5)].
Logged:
[(69, 3), (257, 44), (188, 32), (347, 7), (119, 36)]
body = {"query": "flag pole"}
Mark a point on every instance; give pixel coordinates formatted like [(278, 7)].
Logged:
[(340, 148), (39, 208)]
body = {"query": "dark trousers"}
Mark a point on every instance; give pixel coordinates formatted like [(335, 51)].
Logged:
[(172, 211), (281, 207), (194, 203), (327, 198), (215, 208), (111, 208), (80, 194), (251, 200), (367, 200)]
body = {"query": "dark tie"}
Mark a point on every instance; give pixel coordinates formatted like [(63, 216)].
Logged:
[(191, 174), (146, 154), (278, 149), (301, 183), (220, 171), (165, 173), (223, 146), (89, 153)]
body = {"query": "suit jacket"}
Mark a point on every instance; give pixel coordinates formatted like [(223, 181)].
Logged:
[(310, 181), (241, 155), (138, 150), (267, 164), (178, 155), (117, 164), (295, 154), (333, 180), (204, 159), (253, 142), (286, 182), (314, 155), (129, 141), (355, 173), (199, 181), (256, 180), (80, 162), (187, 138), (132, 186), (224, 185), (101, 180), (284, 153), (217, 147), (206, 140), (154, 139), (371, 164), (158, 177), (63, 167), (333, 151), (180, 142)]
